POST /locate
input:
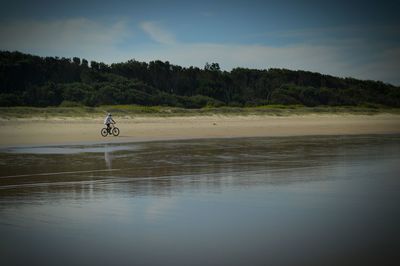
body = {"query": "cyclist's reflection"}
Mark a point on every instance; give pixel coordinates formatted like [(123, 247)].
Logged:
[(108, 157)]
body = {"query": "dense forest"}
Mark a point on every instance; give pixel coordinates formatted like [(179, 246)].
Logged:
[(27, 80)]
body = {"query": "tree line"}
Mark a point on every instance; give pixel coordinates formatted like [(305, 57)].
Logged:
[(28, 80)]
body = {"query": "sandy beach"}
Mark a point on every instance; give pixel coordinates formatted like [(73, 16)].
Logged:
[(54, 131)]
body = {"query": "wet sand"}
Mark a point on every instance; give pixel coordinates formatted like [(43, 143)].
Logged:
[(307, 200), (83, 130)]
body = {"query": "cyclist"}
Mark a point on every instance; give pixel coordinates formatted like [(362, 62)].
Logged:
[(108, 120)]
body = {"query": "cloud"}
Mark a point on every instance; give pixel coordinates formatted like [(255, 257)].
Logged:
[(346, 52), (157, 32), (65, 37), (351, 55), (340, 59), (159, 207), (385, 66), (207, 14)]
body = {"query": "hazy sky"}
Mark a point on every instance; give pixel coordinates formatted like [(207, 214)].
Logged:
[(344, 38)]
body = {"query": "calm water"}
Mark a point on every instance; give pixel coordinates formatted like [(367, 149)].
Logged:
[(260, 201)]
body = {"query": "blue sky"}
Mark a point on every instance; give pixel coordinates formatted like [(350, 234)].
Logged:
[(344, 38)]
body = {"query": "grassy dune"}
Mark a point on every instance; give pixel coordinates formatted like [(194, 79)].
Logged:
[(134, 110)]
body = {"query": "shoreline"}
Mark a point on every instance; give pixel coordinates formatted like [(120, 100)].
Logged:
[(74, 131)]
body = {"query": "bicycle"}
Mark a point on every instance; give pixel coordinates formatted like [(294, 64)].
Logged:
[(112, 130)]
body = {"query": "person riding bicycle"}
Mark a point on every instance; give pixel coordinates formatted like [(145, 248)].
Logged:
[(108, 120)]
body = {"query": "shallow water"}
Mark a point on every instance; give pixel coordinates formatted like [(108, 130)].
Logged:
[(259, 201)]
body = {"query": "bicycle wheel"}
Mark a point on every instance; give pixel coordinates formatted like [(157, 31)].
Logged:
[(115, 131), (104, 132)]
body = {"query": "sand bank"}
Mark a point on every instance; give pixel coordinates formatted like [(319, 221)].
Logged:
[(75, 130)]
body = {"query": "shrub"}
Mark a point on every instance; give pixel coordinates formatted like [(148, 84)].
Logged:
[(8, 99), (70, 104)]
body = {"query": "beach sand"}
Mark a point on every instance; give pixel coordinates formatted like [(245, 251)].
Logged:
[(53, 131)]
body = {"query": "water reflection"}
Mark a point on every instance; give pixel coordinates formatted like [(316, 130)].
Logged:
[(277, 201), (108, 156), (159, 167)]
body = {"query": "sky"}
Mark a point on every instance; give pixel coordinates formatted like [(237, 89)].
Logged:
[(358, 39)]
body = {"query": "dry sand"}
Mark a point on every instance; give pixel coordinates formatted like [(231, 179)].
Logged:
[(75, 131)]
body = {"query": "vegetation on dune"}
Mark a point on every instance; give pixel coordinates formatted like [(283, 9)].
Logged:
[(27, 80), (130, 111)]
